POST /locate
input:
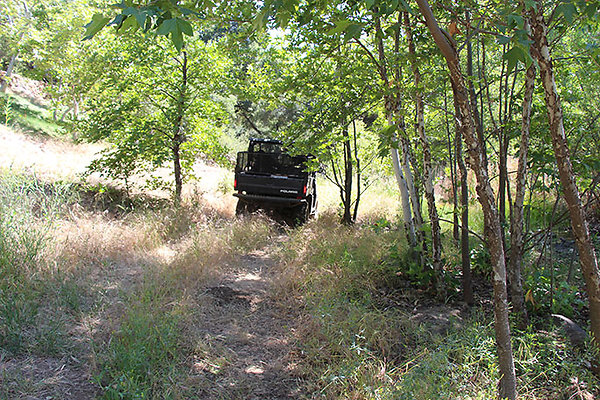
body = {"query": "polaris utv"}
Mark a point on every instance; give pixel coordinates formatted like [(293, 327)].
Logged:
[(268, 178)]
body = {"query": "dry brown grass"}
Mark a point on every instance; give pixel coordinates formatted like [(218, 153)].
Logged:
[(49, 158), (202, 256), (331, 256), (92, 240)]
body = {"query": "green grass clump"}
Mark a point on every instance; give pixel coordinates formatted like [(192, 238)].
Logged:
[(142, 359)]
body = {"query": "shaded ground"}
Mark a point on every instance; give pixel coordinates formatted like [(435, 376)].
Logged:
[(39, 377), (253, 335)]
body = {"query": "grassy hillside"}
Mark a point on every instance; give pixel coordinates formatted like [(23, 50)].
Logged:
[(22, 112)]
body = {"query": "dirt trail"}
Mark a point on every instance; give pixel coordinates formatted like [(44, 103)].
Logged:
[(246, 337), (241, 321)]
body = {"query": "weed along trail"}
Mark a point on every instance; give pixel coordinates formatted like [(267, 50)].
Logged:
[(246, 334)]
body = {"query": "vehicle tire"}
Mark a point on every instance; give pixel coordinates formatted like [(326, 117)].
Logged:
[(302, 214), (241, 208)]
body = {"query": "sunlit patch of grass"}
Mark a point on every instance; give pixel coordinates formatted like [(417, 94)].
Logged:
[(327, 256), (17, 110), (380, 199), (198, 259), (251, 233), (93, 240), (207, 250)]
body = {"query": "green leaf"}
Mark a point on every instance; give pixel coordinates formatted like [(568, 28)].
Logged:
[(513, 56), (184, 26), (568, 10), (118, 21), (283, 18), (187, 11), (166, 27), (353, 31), (98, 22), (260, 22), (503, 39), (591, 10), (177, 39), (129, 11), (515, 21), (369, 3), (140, 16), (129, 24), (176, 27), (340, 26)]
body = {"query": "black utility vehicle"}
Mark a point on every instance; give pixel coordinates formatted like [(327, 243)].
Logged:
[(268, 178)]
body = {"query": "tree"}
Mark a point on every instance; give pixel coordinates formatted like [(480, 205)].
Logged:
[(156, 108), (516, 222), (492, 230), (17, 18), (587, 254), (337, 101), (436, 236), (70, 65)]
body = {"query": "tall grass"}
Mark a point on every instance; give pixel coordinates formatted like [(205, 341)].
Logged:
[(27, 209)]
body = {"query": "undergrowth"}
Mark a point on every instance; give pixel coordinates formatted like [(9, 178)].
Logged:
[(361, 338), (26, 273)]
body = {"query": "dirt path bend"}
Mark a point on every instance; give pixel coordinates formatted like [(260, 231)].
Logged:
[(247, 337)]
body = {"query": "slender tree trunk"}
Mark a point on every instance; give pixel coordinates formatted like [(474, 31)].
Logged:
[(404, 145), (392, 105), (347, 218), (436, 240), (76, 105), (465, 250), (453, 168), (507, 386), (9, 71), (472, 97), (504, 141), (358, 172), (178, 136), (177, 172), (13, 59), (516, 222), (410, 182), (587, 254), (404, 198), (502, 174)]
